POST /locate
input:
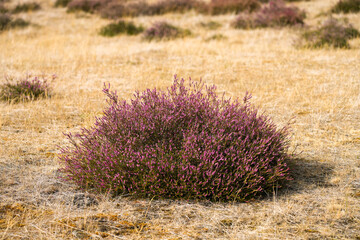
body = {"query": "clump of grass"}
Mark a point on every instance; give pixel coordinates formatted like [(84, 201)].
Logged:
[(27, 89), (216, 37), (331, 33), (216, 7), (3, 9), (61, 3), (276, 13), (346, 6), (121, 27), (7, 22), (184, 143), (164, 30), (211, 25), (26, 7)]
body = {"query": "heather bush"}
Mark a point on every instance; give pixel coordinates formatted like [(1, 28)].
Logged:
[(346, 6), (3, 9), (216, 7), (61, 3), (276, 13), (121, 27), (118, 9), (26, 7), (165, 6), (164, 30), (5, 20), (27, 89), (331, 33), (185, 142), (90, 6)]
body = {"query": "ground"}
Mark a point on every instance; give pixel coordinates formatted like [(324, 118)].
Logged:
[(316, 90)]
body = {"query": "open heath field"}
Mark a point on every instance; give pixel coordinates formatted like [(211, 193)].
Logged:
[(313, 90)]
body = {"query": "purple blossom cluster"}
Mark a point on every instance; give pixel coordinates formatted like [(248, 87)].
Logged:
[(163, 30), (276, 13), (182, 143), (27, 89)]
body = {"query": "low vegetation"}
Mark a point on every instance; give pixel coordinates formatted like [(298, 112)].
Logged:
[(346, 6), (26, 7), (332, 33), (121, 27), (276, 13), (8, 22), (165, 31), (28, 89), (185, 142)]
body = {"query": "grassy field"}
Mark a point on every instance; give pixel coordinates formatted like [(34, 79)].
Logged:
[(318, 90)]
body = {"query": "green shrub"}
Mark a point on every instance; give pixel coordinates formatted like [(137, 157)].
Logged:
[(331, 33), (27, 89), (164, 30), (26, 7), (61, 3), (121, 27), (346, 6), (5, 20), (185, 142)]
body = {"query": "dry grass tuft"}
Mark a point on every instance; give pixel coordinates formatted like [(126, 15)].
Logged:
[(318, 88)]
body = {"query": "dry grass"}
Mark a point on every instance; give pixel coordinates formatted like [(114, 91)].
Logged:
[(320, 89)]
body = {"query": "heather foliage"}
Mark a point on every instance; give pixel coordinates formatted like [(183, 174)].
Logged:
[(26, 7), (121, 27), (7, 22), (331, 33), (185, 142), (90, 6), (216, 7), (346, 6), (164, 30), (27, 89), (62, 3), (276, 13)]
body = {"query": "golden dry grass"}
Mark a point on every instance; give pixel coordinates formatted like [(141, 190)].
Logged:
[(320, 89)]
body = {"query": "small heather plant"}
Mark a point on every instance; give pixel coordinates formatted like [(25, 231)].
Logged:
[(61, 3), (216, 7), (346, 6), (90, 6), (276, 13), (185, 143), (121, 27), (3, 9), (331, 33), (26, 7), (27, 89), (164, 30), (5, 20)]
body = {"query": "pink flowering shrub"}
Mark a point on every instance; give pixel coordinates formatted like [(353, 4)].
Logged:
[(27, 89), (185, 142), (276, 13)]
